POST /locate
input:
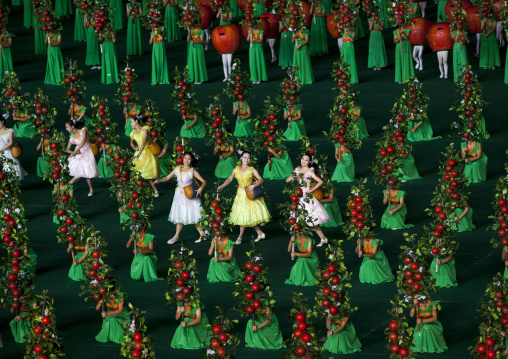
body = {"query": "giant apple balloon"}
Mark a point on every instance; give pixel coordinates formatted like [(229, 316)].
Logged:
[(439, 37), (473, 21), (264, 25), (419, 31), (273, 21), (331, 25), (205, 14), (227, 38)]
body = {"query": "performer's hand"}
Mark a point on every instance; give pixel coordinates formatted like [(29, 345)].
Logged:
[(74, 263), (104, 315), (294, 254), (330, 333), (254, 328)]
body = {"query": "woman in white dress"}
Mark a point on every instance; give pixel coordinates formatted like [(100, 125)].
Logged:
[(185, 211), (6, 141)]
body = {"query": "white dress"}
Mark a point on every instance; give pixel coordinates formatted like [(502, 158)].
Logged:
[(7, 154), (183, 210)]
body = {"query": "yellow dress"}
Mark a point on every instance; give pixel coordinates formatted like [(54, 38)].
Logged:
[(147, 163), (247, 213)]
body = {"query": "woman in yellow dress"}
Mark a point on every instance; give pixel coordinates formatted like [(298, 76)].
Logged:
[(247, 213), (145, 161)]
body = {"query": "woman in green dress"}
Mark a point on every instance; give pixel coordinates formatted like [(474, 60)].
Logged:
[(377, 51), (286, 47), (259, 7), (463, 218), (428, 334), (172, 20), (331, 205), (476, 161), (360, 33), (93, 57), (40, 39), (159, 62), (244, 124), (196, 56), (5, 51), (407, 161), (296, 126), (193, 126), (356, 116), (460, 60), (223, 267), (341, 336), (227, 159), (134, 31), (489, 48), (348, 54), (42, 161), (443, 271), (145, 261), (76, 272), (114, 314), (63, 8), (20, 325), (79, 23), (55, 66), (257, 64), (192, 333), (403, 58), (307, 262), (130, 110), (375, 268), (23, 127), (345, 170), (318, 43), (382, 5), (117, 16), (279, 164), (301, 57), (105, 171), (77, 112), (394, 216), (109, 70), (441, 14), (264, 332), (420, 131), (28, 14)]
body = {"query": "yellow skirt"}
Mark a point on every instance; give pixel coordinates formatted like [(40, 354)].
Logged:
[(247, 213), (147, 164)]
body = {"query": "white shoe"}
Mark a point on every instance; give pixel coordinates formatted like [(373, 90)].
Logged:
[(172, 240), (90, 194), (225, 79), (394, 229), (197, 83), (282, 68), (156, 194), (323, 241), (99, 67), (239, 240), (93, 67), (263, 236), (200, 239), (417, 66), (206, 47), (441, 76), (446, 76)]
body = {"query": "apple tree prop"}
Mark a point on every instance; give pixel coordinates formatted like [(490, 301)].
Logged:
[(289, 90), (369, 7), (346, 16), (5, 11), (155, 15), (58, 160), (180, 146), (294, 14), (105, 127), (137, 344), (121, 164), (73, 83), (183, 96), (399, 333), (136, 201), (42, 113), (457, 15), (340, 74), (182, 276), (489, 10), (398, 13), (216, 211), (359, 212), (99, 15), (12, 99), (238, 85), (190, 14), (217, 132), (45, 16), (223, 340), (413, 102), (268, 132), (155, 122), (125, 94), (499, 215)]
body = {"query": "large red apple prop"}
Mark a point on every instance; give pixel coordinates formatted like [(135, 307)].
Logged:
[(263, 25), (331, 25), (273, 21), (439, 37), (206, 16), (473, 21), (227, 38), (419, 31)]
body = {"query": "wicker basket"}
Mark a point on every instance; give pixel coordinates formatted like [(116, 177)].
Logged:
[(318, 194), (191, 190), (16, 150), (155, 147), (94, 145)]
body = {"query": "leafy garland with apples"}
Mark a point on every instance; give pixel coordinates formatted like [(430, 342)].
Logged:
[(100, 16), (137, 343), (487, 10), (359, 211), (223, 340), (294, 15), (182, 277), (12, 99), (499, 215), (42, 113), (398, 13), (180, 146), (399, 333), (74, 84), (413, 102), (267, 130), (369, 7), (217, 132), (216, 211), (458, 16), (346, 16), (45, 17), (340, 75), (190, 14), (157, 125), (5, 11), (238, 85), (125, 94), (183, 96), (105, 127), (155, 16), (289, 90)]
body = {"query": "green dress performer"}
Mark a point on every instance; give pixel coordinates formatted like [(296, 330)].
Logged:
[(92, 44), (109, 69), (227, 159), (403, 58), (21, 326), (28, 14), (40, 40), (172, 18), (23, 127), (279, 166), (196, 56), (420, 131), (244, 124), (5, 52), (259, 8), (476, 161), (428, 335), (257, 64), (63, 7), (407, 161), (145, 261), (117, 16), (463, 218), (115, 315), (236, 10), (192, 333), (441, 15), (193, 126), (360, 33), (79, 26), (304, 269), (301, 57), (131, 110), (446, 275), (42, 161), (331, 205), (489, 49), (318, 43), (375, 268), (348, 54), (394, 216), (296, 126), (356, 113), (341, 336), (77, 111), (377, 51), (55, 66), (383, 9), (105, 171), (159, 62), (223, 267), (345, 170), (76, 272), (134, 31), (264, 333), (286, 47), (459, 52)]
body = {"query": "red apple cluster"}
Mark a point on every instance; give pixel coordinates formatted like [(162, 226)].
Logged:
[(451, 183), (269, 130), (182, 95), (368, 7), (239, 88), (10, 92), (122, 169), (218, 340), (84, 5), (40, 110), (215, 218), (154, 15), (343, 77), (137, 346), (301, 334), (394, 337), (413, 276), (347, 19), (128, 89), (502, 221), (73, 90), (332, 280), (255, 305), (356, 212), (181, 282), (100, 19), (482, 348)]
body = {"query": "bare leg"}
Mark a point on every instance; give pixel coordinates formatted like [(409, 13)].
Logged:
[(240, 236), (74, 180), (415, 56), (207, 38), (154, 187), (90, 185), (271, 42), (179, 227), (201, 233), (321, 235)]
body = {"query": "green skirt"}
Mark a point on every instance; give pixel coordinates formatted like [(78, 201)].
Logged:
[(42, 167), (6, 60), (143, 266), (360, 33), (304, 271), (28, 13), (159, 64), (429, 339), (134, 37), (466, 223), (383, 6), (408, 170), (109, 70), (31, 265), (376, 270), (194, 337), (505, 273), (76, 273), (24, 129), (483, 129), (343, 342), (441, 14), (269, 337), (172, 20), (196, 62), (476, 171), (422, 133), (40, 46), (362, 129), (446, 275), (79, 27), (318, 43), (118, 14), (395, 221), (128, 129), (333, 210), (54, 67), (257, 64), (294, 131), (459, 59), (245, 128), (236, 10), (345, 170), (403, 61), (104, 171), (489, 52), (20, 328), (164, 165), (196, 131), (225, 167), (377, 50), (112, 330), (223, 271), (259, 9), (286, 50), (63, 7), (301, 59), (92, 49), (348, 55), (281, 168)]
